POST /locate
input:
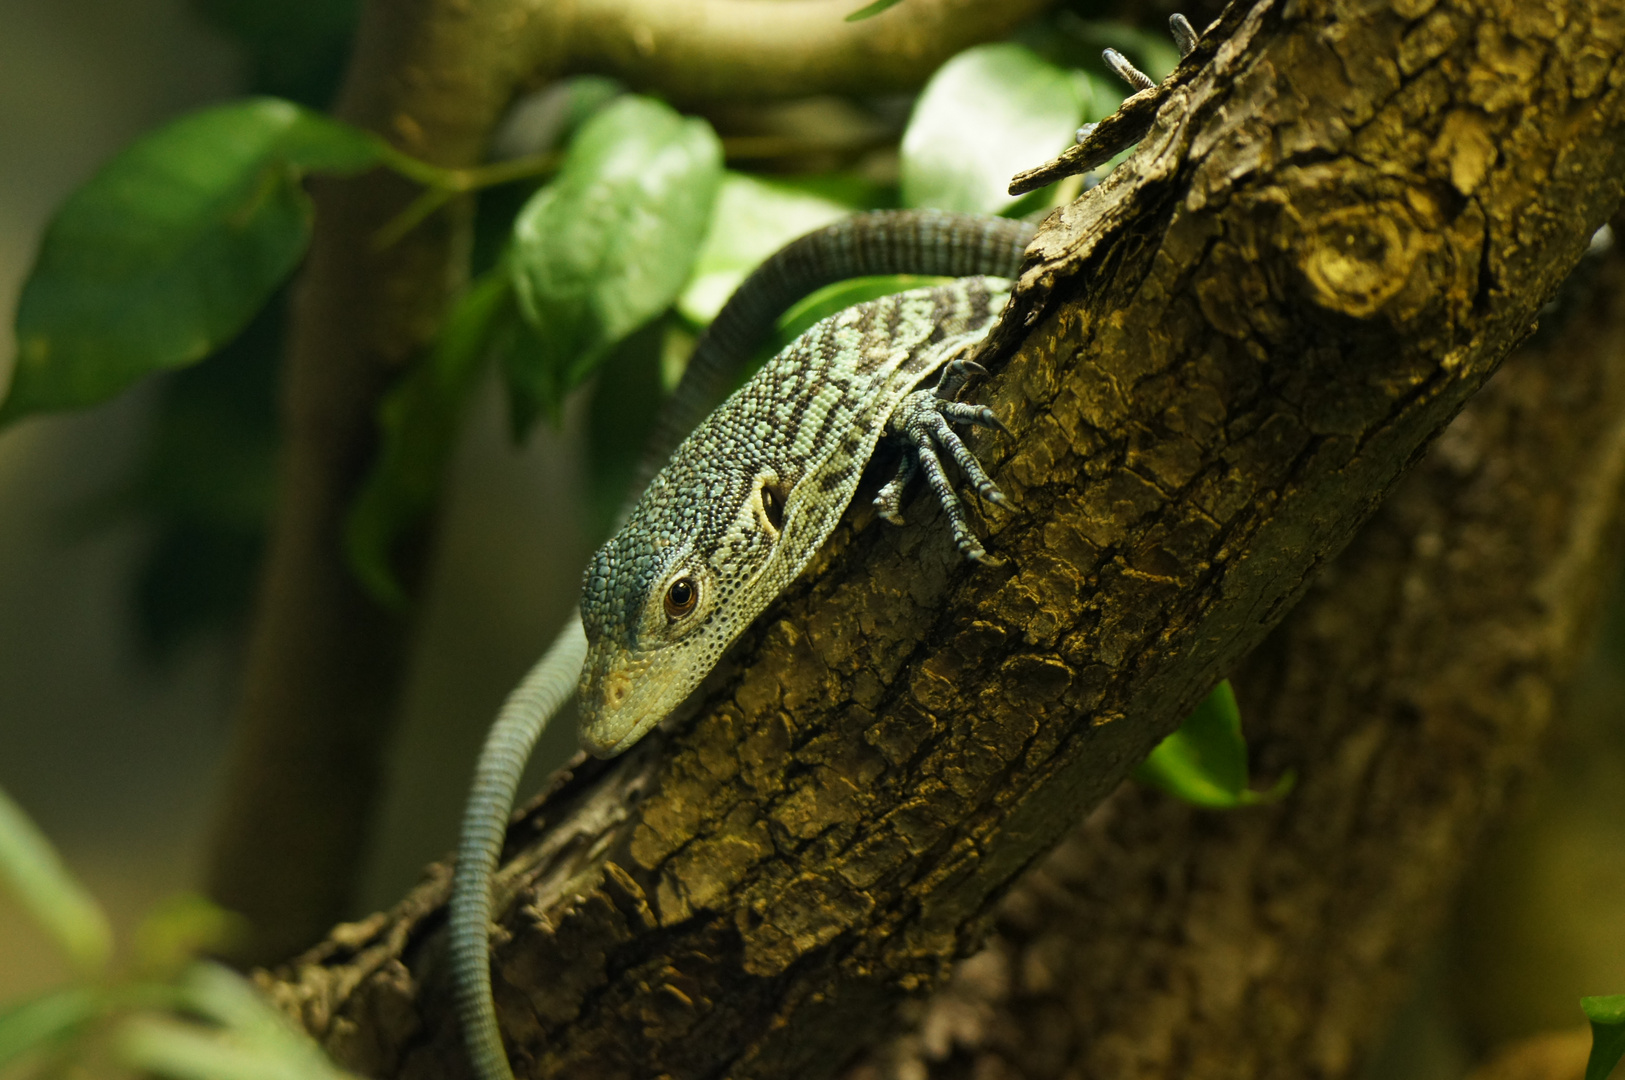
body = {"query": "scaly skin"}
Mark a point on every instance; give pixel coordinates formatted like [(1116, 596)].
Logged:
[(706, 549)]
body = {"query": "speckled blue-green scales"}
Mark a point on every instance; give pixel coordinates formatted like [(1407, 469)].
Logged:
[(801, 430)]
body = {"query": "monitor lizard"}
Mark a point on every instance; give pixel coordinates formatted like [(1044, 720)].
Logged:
[(750, 495)]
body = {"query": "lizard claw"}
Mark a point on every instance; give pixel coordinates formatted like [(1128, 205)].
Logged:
[(922, 420)]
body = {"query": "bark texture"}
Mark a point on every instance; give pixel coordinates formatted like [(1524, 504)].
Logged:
[(1220, 361), (325, 664), (1410, 690)]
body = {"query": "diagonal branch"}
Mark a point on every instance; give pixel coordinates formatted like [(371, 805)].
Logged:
[(739, 50), (325, 664), (1411, 691), (1218, 363)]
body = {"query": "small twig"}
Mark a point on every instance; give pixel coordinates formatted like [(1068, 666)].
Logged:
[(1099, 143)]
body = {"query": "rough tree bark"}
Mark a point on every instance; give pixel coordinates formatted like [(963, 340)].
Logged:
[(1410, 690), (1222, 360), (324, 663)]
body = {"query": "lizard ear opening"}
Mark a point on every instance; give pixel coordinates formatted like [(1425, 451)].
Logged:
[(772, 506)]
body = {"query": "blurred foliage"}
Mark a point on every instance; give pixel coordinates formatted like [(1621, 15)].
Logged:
[(868, 11), (163, 1013), (1607, 1016), (419, 420), (207, 477), (33, 873), (1205, 761), (198, 572), (754, 217), (987, 114), (621, 409), (585, 261), (170, 248), (608, 245), (295, 48)]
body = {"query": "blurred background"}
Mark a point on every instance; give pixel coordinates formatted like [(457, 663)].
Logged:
[(123, 580)]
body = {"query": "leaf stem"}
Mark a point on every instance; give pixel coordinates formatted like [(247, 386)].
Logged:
[(443, 185)]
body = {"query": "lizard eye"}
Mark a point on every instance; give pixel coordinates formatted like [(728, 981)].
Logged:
[(681, 597)]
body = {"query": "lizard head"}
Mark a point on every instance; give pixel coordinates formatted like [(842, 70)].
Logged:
[(666, 596)]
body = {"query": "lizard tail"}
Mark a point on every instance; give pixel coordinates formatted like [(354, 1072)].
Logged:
[(496, 778)]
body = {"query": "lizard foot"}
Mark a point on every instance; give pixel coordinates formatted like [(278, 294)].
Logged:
[(922, 420)]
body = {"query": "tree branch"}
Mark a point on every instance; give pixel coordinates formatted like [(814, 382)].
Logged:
[(740, 50), (1227, 354), (1411, 691), (324, 664)]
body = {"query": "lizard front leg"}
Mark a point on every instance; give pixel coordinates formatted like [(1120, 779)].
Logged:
[(923, 422)]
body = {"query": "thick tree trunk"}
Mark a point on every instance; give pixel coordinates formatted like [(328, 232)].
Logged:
[(1222, 360)]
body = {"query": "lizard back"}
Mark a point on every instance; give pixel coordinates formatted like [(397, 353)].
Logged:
[(750, 496)]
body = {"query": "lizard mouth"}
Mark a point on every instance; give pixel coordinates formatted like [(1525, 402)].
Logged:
[(619, 702)]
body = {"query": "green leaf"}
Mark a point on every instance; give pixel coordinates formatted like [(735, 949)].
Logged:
[(988, 113), (870, 10), (169, 250), (170, 1048), (220, 994), (419, 420), (173, 933), (1205, 761), (1607, 1016), (753, 219), (607, 246), (45, 1020), (36, 876), (252, 1042)]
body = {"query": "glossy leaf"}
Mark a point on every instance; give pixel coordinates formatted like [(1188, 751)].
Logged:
[(988, 113), (1607, 1016), (169, 250), (752, 220), (419, 420), (608, 245), (44, 1021), (30, 868), (1205, 761)]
